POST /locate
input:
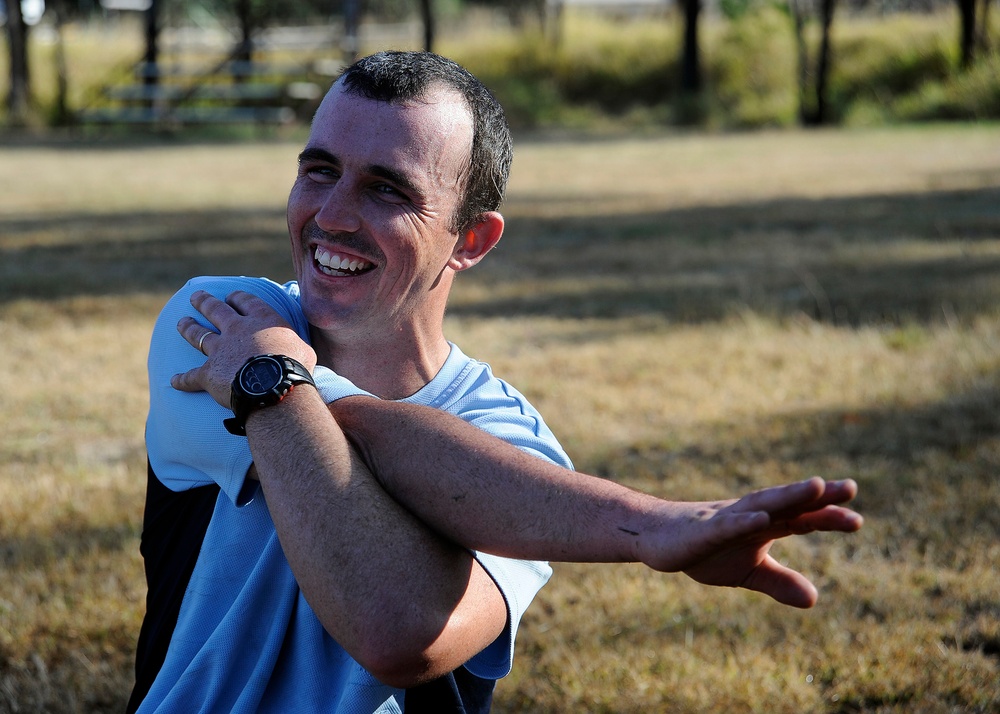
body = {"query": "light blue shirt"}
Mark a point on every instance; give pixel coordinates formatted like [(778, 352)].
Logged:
[(246, 640)]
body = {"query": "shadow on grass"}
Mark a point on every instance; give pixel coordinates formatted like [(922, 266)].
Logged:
[(912, 257), (845, 260), (930, 470), (64, 542), (126, 254)]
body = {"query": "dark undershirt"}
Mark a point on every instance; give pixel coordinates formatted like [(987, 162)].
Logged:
[(174, 526)]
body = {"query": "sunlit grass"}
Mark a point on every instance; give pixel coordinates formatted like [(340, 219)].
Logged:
[(694, 316)]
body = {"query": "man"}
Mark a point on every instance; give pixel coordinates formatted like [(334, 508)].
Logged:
[(338, 545)]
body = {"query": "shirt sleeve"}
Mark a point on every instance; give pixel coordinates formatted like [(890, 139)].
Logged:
[(503, 412), (185, 439), (518, 581)]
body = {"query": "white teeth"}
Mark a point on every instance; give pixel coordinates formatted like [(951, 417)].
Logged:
[(332, 261)]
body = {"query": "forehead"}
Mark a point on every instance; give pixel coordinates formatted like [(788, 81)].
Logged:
[(429, 138)]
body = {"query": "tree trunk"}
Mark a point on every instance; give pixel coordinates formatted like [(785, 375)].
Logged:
[(350, 46), (151, 74), (61, 115), (802, 57), (690, 52), (823, 64), (19, 96), (967, 37), (427, 13), (244, 50)]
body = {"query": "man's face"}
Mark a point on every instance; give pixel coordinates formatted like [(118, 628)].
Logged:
[(370, 212)]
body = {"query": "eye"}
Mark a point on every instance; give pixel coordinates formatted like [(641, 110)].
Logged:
[(321, 173), (389, 192)]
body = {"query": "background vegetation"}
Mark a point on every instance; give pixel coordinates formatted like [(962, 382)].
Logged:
[(595, 72), (695, 315)]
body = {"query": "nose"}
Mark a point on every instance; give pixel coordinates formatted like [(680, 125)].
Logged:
[(339, 212)]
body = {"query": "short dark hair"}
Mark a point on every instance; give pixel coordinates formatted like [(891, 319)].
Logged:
[(395, 76)]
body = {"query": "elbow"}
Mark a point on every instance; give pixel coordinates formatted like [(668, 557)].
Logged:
[(404, 656), (398, 665)]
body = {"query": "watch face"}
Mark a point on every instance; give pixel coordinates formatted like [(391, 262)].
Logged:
[(261, 376)]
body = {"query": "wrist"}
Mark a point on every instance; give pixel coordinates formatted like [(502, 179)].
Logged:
[(291, 402), (263, 381)]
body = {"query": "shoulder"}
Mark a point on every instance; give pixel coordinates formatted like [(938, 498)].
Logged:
[(283, 298), (468, 388)]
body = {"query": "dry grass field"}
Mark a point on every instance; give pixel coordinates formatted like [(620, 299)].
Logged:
[(696, 316)]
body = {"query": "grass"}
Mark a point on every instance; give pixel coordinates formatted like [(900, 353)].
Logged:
[(694, 315)]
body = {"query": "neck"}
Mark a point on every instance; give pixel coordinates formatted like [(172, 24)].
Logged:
[(394, 365)]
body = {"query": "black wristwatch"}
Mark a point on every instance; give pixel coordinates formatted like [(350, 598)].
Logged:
[(262, 381)]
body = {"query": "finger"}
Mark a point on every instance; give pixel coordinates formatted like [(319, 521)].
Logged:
[(791, 500), (245, 303), (835, 493), (216, 311), (190, 381), (839, 491), (782, 498), (196, 334), (251, 305), (829, 518), (787, 586)]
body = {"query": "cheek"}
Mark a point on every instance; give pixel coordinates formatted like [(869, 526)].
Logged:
[(300, 205)]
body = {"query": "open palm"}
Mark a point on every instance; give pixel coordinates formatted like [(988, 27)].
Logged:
[(727, 543)]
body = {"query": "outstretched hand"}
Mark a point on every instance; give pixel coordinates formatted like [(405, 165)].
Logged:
[(727, 543), (246, 326)]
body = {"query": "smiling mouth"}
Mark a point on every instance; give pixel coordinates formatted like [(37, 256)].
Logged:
[(338, 265)]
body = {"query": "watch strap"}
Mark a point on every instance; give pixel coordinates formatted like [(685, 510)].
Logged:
[(243, 404)]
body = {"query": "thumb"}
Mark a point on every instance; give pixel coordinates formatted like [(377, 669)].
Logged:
[(787, 586)]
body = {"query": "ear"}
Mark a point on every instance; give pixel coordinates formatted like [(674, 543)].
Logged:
[(475, 242)]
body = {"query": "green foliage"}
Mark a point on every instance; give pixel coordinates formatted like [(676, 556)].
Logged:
[(617, 76), (735, 9), (520, 74), (754, 70), (541, 82), (970, 96), (900, 68), (592, 73), (875, 66)]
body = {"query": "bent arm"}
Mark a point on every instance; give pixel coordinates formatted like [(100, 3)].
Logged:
[(407, 604), (490, 496), (487, 495)]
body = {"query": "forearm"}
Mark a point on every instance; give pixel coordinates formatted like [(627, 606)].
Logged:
[(392, 593), (488, 495)]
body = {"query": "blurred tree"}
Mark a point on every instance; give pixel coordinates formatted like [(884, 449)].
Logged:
[(427, 15), (813, 100), (690, 107), (967, 33), (152, 29), (246, 19), (352, 13), (19, 94), (61, 114), (690, 51)]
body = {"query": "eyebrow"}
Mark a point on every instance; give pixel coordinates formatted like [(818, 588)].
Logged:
[(390, 174)]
